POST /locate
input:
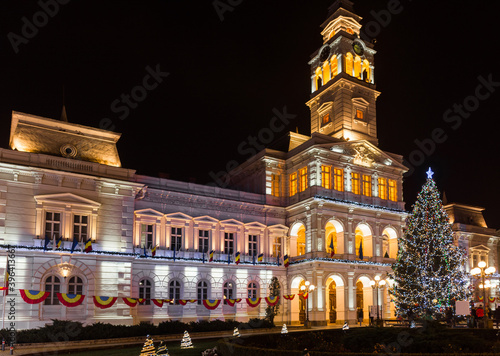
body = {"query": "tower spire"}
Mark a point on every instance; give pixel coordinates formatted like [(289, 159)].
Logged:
[(64, 116)]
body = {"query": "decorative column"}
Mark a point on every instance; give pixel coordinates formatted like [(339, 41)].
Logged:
[(351, 297)]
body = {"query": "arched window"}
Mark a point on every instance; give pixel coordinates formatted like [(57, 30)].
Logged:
[(75, 285), (202, 290), (174, 291), (359, 242), (359, 295), (326, 71), (52, 285), (385, 246), (301, 241), (319, 79), (145, 290), (229, 292), (366, 71), (252, 290), (334, 66), (348, 63), (357, 67)]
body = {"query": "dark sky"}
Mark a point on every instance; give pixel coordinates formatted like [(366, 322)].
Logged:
[(226, 77)]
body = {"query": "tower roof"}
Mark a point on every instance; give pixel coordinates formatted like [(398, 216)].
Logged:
[(341, 8)]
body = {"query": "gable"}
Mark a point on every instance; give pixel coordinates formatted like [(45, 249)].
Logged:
[(206, 218), (149, 212), (178, 215), (66, 199)]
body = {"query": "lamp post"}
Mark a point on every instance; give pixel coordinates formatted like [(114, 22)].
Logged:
[(307, 288), (376, 284), (481, 272)]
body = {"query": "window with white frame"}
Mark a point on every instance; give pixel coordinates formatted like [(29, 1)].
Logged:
[(52, 224), (75, 285), (228, 243), (147, 235), (145, 290), (176, 238), (174, 291), (252, 290), (202, 291), (80, 227), (277, 246), (252, 245), (229, 291), (53, 286), (203, 240)]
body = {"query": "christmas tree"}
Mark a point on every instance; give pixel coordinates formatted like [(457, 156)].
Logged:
[(148, 349), (284, 330), (236, 332), (429, 271), (186, 341)]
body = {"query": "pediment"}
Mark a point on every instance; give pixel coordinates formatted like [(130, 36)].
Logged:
[(255, 224), (178, 215), (149, 212), (206, 218), (278, 227), (480, 248), (66, 199), (364, 153), (231, 222)]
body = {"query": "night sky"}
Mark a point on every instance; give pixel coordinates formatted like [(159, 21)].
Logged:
[(226, 76)]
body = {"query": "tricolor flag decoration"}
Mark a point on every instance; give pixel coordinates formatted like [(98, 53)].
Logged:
[(88, 245), (232, 302), (74, 244), (211, 258), (211, 304), (253, 302), (289, 296), (491, 299), (286, 260), (185, 301), (237, 258), (47, 242), (260, 258), (33, 296), (332, 248), (104, 302), (272, 301), (153, 251), (481, 298), (70, 300), (131, 302), (158, 302), (59, 242)]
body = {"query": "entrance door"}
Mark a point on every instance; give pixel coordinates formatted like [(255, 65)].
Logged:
[(333, 302)]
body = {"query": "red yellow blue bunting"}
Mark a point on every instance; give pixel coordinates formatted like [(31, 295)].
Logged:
[(70, 300), (481, 298), (289, 296), (185, 301), (141, 300), (232, 302), (33, 296), (169, 301), (286, 260), (491, 299), (131, 302), (158, 302), (253, 302), (272, 301), (104, 302), (211, 304)]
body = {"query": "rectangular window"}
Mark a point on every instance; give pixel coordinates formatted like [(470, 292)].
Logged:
[(382, 188), (80, 227), (359, 114), (277, 247), (293, 184), (52, 224), (252, 245), (326, 177), (146, 235), (338, 179), (325, 119), (203, 240), (275, 185), (355, 185), (367, 185), (176, 238), (393, 191), (302, 179), (228, 243)]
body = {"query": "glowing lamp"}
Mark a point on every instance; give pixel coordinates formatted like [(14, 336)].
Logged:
[(481, 264), (382, 283), (475, 271), (372, 283), (490, 270), (311, 287), (377, 278)]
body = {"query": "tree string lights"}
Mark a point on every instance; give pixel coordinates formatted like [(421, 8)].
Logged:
[(429, 271)]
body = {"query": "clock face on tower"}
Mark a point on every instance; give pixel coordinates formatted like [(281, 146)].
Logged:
[(358, 48), (324, 54)]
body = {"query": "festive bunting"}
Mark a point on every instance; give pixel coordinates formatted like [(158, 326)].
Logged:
[(305, 295), (104, 302), (141, 300), (237, 258), (253, 302), (481, 298), (168, 301), (232, 302), (211, 304), (88, 245), (33, 296), (185, 301), (260, 258), (286, 261), (158, 302), (131, 302), (70, 300), (491, 299), (272, 301), (289, 296)]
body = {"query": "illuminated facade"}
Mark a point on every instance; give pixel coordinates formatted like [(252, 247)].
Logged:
[(331, 201)]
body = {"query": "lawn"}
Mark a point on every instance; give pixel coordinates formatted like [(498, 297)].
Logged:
[(174, 349)]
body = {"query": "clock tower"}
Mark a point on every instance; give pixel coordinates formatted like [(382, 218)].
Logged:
[(343, 91)]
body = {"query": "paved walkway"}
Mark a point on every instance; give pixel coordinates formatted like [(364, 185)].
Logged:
[(54, 348)]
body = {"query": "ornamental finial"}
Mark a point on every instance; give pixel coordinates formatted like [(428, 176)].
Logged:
[(430, 173)]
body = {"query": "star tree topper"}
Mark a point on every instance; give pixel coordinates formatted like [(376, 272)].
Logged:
[(430, 173)]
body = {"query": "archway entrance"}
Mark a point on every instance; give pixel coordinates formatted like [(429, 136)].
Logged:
[(298, 304), (364, 297), (302, 305), (332, 301)]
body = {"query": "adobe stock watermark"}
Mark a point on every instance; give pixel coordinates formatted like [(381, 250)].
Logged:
[(455, 116), (223, 6), (381, 19), (10, 297), (138, 94), (30, 27), (253, 144)]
